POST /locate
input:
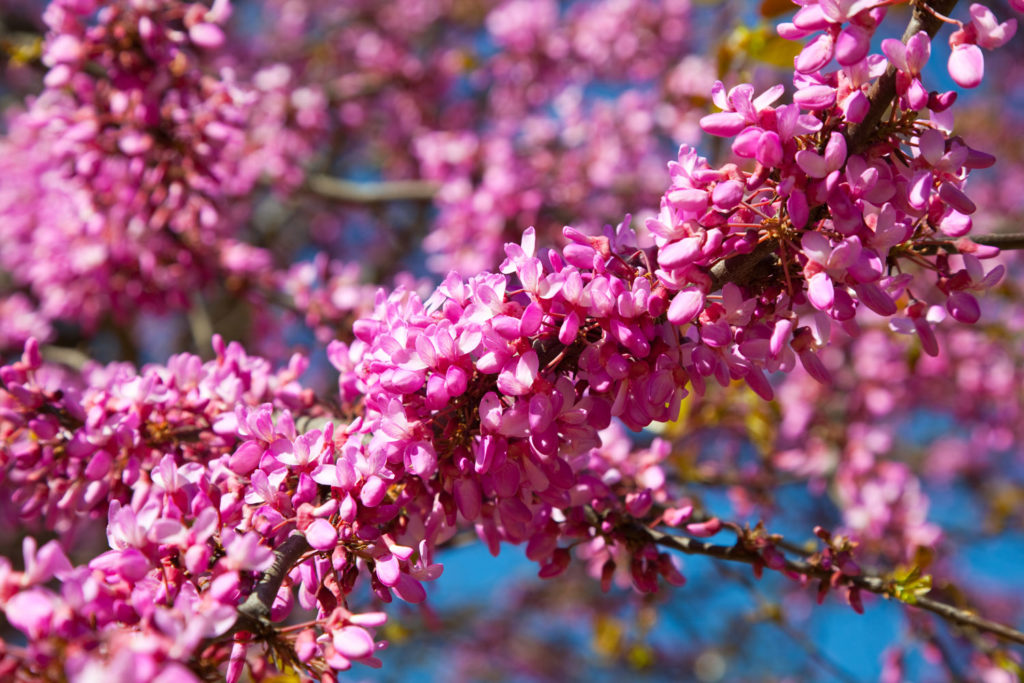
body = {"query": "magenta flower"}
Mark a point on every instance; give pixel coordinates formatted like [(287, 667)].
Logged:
[(42, 564), (740, 108), (245, 552), (910, 59), (686, 305), (821, 165), (31, 612), (966, 65), (322, 535), (966, 62)]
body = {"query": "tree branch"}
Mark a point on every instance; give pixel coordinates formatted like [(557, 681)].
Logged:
[(370, 192), (64, 355), (200, 325), (254, 613), (744, 268), (1005, 241), (873, 584)]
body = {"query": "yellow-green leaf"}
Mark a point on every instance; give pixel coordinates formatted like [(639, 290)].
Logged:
[(774, 8), (608, 635), (765, 45), (640, 657), (910, 584)]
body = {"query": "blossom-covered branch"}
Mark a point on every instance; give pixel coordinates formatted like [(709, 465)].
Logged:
[(235, 498)]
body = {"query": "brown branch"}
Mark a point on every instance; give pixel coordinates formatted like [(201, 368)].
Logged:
[(967, 618), (743, 269), (200, 325), (254, 613), (1005, 241), (952, 670), (873, 584), (349, 191)]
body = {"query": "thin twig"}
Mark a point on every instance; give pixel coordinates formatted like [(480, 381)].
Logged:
[(777, 617), (371, 192), (873, 584), (1005, 241), (947, 659), (200, 326), (816, 654)]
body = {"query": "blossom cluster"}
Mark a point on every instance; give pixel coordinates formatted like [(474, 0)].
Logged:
[(184, 80), (129, 175), (75, 442), (198, 480), (548, 156), (843, 213)]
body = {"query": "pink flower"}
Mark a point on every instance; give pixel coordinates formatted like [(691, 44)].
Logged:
[(966, 65), (245, 552), (208, 36), (44, 564), (685, 306), (322, 535), (519, 374), (821, 165), (741, 108), (910, 59), (966, 62), (353, 642), (989, 33), (31, 611)]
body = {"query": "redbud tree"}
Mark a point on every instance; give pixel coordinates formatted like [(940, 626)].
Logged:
[(297, 295)]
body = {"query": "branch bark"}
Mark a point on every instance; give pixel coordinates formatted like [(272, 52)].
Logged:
[(744, 268), (200, 325), (254, 613)]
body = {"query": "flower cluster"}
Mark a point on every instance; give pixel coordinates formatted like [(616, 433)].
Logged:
[(550, 157), (127, 174), (844, 215), (73, 444), (198, 481)]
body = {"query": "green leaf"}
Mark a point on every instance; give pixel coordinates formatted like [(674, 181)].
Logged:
[(910, 584)]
